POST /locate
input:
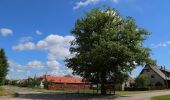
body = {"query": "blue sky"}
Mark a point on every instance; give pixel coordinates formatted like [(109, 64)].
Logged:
[(36, 33)]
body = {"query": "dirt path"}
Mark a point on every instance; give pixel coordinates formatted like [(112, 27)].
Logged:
[(25, 94), (30, 95)]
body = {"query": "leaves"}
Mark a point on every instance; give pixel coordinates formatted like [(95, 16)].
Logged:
[(3, 66), (107, 44)]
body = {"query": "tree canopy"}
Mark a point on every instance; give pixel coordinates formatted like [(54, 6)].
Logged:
[(3, 67), (107, 47)]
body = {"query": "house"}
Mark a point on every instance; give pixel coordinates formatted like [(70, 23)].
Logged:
[(157, 75), (65, 83), (125, 84)]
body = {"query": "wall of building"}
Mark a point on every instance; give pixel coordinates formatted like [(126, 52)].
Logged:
[(152, 76), (69, 86)]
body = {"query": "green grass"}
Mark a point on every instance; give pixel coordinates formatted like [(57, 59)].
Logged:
[(163, 97), (4, 92), (137, 92)]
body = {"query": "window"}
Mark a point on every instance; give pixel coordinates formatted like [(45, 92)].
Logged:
[(152, 76)]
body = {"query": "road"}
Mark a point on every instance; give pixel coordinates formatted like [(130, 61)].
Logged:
[(30, 95)]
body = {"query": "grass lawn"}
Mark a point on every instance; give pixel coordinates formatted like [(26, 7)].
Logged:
[(4, 92), (163, 97), (137, 92)]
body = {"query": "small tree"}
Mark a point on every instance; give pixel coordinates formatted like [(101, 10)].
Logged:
[(142, 81), (3, 67)]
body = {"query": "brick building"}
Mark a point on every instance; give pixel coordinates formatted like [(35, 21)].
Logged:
[(65, 83)]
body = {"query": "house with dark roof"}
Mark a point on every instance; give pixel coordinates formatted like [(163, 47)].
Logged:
[(65, 83), (157, 75)]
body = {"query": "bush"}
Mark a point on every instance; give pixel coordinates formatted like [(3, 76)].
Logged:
[(136, 89), (158, 84), (16, 95), (142, 81)]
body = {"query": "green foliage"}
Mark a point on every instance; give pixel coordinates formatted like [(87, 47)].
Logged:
[(36, 82), (158, 84), (142, 81), (3, 67), (163, 97), (47, 83), (107, 47), (15, 95), (14, 82), (7, 82), (30, 82), (68, 75)]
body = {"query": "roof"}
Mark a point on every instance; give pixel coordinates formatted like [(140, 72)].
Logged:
[(158, 71), (162, 68), (61, 79)]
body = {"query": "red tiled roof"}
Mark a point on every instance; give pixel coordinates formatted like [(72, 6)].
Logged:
[(60, 79)]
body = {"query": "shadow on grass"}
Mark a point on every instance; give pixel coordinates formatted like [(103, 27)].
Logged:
[(125, 96), (64, 96)]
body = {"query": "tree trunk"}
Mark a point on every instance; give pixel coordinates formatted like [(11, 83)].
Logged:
[(103, 82), (103, 89), (97, 88)]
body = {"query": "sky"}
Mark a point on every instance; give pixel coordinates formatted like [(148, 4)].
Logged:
[(36, 33)]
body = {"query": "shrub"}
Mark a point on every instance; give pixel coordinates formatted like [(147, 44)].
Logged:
[(16, 95), (142, 81), (158, 84)]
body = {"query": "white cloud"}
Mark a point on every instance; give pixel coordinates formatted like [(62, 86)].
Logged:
[(56, 45), (38, 32), (88, 2), (85, 3), (53, 64), (42, 44), (35, 64), (5, 32), (161, 44), (25, 39), (57, 48), (17, 71), (115, 1), (24, 46), (60, 72), (20, 71)]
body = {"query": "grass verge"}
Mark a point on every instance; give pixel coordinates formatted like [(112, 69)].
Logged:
[(5, 92), (163, 97), (137, 92)]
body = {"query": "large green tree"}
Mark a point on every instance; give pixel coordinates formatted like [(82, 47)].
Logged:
[(3, 66), (107, 47)]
